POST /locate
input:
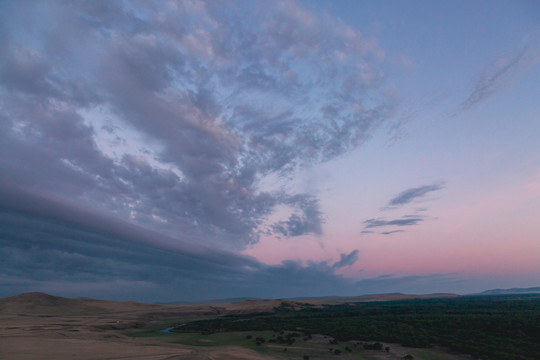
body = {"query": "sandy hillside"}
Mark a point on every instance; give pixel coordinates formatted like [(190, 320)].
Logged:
[(41, 326)]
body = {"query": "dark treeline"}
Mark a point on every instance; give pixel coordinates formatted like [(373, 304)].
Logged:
[(488, 327)]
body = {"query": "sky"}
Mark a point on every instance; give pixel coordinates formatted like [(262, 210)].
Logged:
[(186, 150)]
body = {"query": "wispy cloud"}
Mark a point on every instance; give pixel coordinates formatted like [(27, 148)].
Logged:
[(403, 198), (407, 220), (409, 195), (502, 72), (391, 232)]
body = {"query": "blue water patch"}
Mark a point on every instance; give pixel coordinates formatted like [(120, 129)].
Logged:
[(168, 330)]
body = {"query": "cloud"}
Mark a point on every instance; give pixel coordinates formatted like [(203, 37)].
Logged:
[(68, 250), (409, 195), (501, 73), (391, 232), (346, 260), (73, 251), (309, 221), (403, 198), (407, 220), (217, 101)]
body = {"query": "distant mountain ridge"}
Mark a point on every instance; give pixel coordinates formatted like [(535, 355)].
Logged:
[(210, 302), (36, 302), (513, 291), (374, 297), (324, 299)]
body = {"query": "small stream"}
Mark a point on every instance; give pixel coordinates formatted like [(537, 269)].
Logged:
[(168, 330)]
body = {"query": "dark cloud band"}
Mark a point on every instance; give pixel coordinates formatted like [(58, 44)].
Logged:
[(54, 246)]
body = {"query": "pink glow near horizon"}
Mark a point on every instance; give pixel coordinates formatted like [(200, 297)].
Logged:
[(494, 233)]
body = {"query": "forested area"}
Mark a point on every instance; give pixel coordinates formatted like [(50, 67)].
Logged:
[(488, 327)]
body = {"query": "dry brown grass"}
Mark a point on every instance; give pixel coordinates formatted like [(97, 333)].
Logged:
[(39, 326)]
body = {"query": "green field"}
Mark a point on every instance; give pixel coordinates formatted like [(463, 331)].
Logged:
[(316, 348)]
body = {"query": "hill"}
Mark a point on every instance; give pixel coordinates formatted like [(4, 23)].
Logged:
[(36, 303), (40, 303), (513, 291), (373, 297)]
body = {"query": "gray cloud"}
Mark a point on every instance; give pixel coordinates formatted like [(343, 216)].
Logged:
[(407, 220), (403, 198), (346, 259), (309, 221), (409, 195), (195, 86)]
